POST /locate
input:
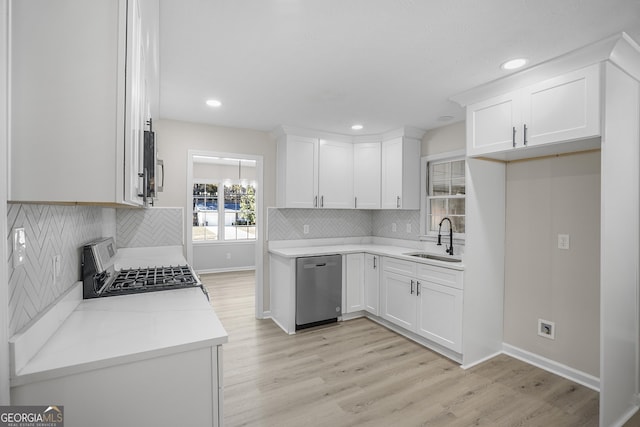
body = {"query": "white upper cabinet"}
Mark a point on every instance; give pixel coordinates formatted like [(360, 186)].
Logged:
[(297, 172), (339, 172), (366, 175), (492, 124), (401, 173), (83, 83), (562, 109), (335, 175), (314, 173)]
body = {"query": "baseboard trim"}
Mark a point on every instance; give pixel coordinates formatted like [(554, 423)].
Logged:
[(225, 270), (552, 366), (479, 361)]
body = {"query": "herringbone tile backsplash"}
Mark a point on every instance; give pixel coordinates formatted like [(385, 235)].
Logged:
[(149, 227), (50, 230), (63, 230), (288, 224)]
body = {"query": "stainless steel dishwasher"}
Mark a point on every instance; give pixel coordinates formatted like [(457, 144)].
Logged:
[(318, 290)]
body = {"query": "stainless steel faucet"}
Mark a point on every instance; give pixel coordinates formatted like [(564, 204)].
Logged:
[(450, 248)]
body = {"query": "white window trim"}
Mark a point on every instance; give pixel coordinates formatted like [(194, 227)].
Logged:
[(424, 206)]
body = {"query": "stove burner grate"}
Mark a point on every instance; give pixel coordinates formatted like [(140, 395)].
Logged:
[(152, 279)]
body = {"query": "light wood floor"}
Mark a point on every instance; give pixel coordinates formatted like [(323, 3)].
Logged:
[(357, 373)]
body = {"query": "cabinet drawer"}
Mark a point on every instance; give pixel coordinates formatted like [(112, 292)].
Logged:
[(393, 265), (442, 276)]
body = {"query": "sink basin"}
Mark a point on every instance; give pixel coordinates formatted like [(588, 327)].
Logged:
[(434, 257)]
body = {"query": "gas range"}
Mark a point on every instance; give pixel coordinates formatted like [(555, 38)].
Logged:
[(100, 279)]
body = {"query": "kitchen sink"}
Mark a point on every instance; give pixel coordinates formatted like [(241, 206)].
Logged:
[(434, 257)]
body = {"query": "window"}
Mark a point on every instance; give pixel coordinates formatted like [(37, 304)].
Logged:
[(205, 212), (446, 195), (224, 209)]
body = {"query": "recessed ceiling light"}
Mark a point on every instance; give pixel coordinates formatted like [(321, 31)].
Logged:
[(213, 103), (445, 118), (512, 64), (357, 127)]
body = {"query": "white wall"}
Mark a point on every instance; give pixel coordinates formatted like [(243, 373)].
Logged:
[(444, 139), (175, 138), (547, 197)]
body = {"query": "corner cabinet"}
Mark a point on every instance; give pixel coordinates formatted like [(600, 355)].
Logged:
[(83, 86), (314, 173), (401, 173), (561, 109)]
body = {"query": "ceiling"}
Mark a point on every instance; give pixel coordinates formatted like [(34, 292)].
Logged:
[(327, 64)]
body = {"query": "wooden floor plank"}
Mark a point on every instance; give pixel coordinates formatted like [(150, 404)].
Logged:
[(358, 373)]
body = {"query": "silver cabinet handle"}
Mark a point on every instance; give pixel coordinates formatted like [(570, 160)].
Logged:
[(412, 287), (525, 135), (315, 202), (355, 202), (322, 201), (398, 202), (374, 263), (513, 137), (418, 288)]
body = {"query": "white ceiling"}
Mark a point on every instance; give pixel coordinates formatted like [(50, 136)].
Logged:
[(327, 64)]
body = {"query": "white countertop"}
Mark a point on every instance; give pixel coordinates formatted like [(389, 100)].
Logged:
[(375, 249), (109, 331)]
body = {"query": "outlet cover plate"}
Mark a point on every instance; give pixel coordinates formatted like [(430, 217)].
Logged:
[(563, 241), (547, 329)]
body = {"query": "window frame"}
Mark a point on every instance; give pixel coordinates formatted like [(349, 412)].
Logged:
[(425, 234), (221, 184)]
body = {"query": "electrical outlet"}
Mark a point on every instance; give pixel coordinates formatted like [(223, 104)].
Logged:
[(394, 228), (409, 228), (228, 255), (546, 329), (563, 241), (19, 246), (55, 267), (305, 229)]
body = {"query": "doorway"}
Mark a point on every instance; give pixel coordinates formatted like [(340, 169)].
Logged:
[(224, 213)]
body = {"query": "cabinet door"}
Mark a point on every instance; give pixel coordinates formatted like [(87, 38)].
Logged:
[(494, 125), (371, 283), (440, 314), (355, 283), (563, 108), (297, 172), (401, 174), (366, 175), (135, 108), (392, 174), (399, 300), (335, 175)]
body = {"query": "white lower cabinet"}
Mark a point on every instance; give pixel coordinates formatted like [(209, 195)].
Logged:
[(135, 393), (372, 283), (354, 283), (423, 299), (440, 314)]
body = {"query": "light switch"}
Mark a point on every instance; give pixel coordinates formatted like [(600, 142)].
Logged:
[(563, 241)]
